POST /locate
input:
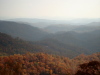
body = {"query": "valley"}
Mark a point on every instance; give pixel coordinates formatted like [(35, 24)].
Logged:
[(51, 50)]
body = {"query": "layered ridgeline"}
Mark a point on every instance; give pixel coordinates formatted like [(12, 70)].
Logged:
[(22, 30), (45, 64), (57, 45), (62, 43), (41, 23), (10, 45), (87, 40), (77, 28)]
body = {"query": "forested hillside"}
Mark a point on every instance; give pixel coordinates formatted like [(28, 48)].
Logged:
[(54, 46), (15, 58), (9, 45), (87, 40), (45, 64), (51, 54), (49, 37), (22, 30), (68, 44)]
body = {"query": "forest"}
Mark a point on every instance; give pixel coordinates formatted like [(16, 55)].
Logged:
[(16, 59), (77, 40), (61, 53), (49, 37), (46, 64)]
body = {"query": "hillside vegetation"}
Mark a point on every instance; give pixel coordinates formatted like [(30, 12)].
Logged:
[(68, 44), (22, 30), (28, 50), (45, 64), (9, 45)]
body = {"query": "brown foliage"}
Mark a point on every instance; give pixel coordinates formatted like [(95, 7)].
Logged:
[(91, 68), (45, 64)]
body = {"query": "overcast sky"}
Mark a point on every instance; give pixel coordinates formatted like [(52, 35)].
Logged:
[(50, 9)]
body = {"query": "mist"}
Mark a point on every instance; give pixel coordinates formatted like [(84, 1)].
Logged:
[(49, 37)]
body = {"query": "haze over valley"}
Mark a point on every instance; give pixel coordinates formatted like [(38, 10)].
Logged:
[(49, 37), (57, 39)]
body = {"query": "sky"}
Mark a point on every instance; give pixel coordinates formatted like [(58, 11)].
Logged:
[(49, 9)]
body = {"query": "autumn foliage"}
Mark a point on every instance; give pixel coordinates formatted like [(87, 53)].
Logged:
[(45, 64), (91, 68)]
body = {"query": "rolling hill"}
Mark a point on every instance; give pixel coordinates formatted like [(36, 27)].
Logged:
[(88, 40), (68, 43), (22, 30), (77, 28), (53, 46), (9, 46)]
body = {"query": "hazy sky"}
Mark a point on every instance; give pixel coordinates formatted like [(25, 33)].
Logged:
[(50, 9)]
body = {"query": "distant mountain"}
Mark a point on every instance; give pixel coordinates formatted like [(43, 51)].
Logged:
[(77, 28), (88, 27), (60, 28), (10, 46), (41, 23), (22, 30), (53, 46), (87, 40), (70, 43), (92, 40), (83, 21), (31, 20)]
